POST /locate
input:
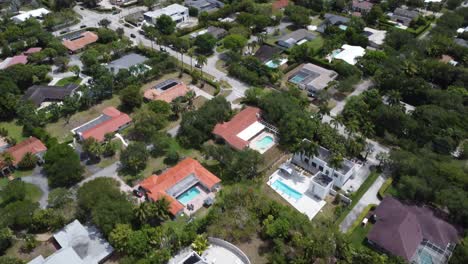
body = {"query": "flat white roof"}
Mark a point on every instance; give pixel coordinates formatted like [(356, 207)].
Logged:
[(32, 13), (350, 53), (251, 131), (168, 10), (377, 36)]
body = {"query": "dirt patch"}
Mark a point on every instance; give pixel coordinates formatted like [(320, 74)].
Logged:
[(199, 101), (43, 248), (255, 249)]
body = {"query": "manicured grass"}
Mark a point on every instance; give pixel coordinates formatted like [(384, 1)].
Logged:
[(317, 43), (3, 182), (69, 80), (358, 237), (15, 131), (22, 173), (33, 192), (358, 194)]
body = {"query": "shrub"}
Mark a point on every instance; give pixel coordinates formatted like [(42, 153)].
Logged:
[(361, 216), (385, 187)]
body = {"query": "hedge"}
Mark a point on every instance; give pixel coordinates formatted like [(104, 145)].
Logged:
[(361, 216), (384, 188)]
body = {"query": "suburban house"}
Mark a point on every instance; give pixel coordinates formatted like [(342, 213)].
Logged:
[(76, 42), (297, 37), (167, 91), (376, 37), (10, 61), (416, 233), (404, 16), (44, 95), (110, 121), (18, 151), (216, 32), (266, 53), (178, 13), (333, 20), (36, 13), (32, 51), (348, 53), (247, 129), (204, 5), (361, 6), (133, 62), (320, 163), (280, 4), (312, 78), (187, 186), (78, 245)]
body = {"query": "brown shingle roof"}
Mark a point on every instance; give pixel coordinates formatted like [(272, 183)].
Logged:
[(400, 228)]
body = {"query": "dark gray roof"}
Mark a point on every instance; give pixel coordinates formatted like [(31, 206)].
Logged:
[(42, 93), (331, 19), (204, 5), (461, 42), (322, 179), (217, 32), (405, 13), (126, 62), (292, 38), (267, 52), (400, 228)]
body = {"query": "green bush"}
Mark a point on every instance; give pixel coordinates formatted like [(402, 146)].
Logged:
[(385, 187), (361, 216)]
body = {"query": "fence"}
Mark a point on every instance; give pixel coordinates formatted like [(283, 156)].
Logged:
[(230, 247)]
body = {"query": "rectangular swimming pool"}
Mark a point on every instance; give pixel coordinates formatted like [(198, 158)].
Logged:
[(188, 195), (284, 188)]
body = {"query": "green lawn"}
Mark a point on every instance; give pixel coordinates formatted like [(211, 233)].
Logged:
[(3, 182), (317, 43), (15, 131), (33, 192), (358, 237), (21, 173), (356, 196), (68, 80)]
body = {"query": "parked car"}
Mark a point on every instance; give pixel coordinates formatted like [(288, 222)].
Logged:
[(82, 26), (132, 35), (137, 193), (198, 66)]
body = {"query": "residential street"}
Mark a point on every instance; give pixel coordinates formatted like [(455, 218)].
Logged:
[(93, 18), (370, 197)]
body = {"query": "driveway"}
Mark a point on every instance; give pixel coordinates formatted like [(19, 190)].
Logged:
[(40, 180), (370, 197), (109, 172)]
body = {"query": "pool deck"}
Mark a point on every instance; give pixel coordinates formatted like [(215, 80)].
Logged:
[(260, 137), (198, 201), (307, 205)]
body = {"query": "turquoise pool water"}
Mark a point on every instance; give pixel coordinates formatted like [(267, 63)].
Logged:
[(297, 78), (282, 187), (335, 52), (343, 27), (272, 64), (264, 143), (188, 195)]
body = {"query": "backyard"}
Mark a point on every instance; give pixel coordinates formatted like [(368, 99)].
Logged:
[(14, 130)]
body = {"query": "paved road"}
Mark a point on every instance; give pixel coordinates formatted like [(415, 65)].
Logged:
[(91, 18), (40, 180), (110, 172), (370, 197)]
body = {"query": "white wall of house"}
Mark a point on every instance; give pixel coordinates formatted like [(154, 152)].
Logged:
[(311, 163), (319, 190)]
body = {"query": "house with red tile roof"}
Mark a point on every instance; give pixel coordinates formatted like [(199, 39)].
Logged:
[(187, 186), (280, 4), (416, 233), (31, 145), (166, 91), (76, 43), (246, 129), (32, 51), (110, 121), (10, 61)]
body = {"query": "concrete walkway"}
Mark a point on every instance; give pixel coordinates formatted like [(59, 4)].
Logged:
[(40, 180), (370, 197)]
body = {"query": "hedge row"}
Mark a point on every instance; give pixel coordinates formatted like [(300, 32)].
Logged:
[(385, 187), (361, 216)]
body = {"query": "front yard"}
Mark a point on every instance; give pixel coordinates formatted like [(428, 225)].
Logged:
[(69, 80)]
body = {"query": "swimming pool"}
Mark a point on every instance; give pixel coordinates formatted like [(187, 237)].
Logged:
[(188, 195), (281, 186), (264, 143), (275, 63), (297, 78)]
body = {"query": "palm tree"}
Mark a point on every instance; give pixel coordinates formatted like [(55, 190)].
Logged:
[(28, 161), (352, 127), (142, 212), (394, 97), (201, 61), (335, 161), (160, 210), (8, 159), (191, 53), (189, 97), (252, 45), (200, 244), (308, 148), (261, 38)]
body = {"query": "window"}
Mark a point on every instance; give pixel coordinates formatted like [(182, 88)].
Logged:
[(335, 175), (306, 160), (314, 164), (320, 168)]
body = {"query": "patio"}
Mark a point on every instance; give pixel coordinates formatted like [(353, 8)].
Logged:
[(306, 203), (198, 201)]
